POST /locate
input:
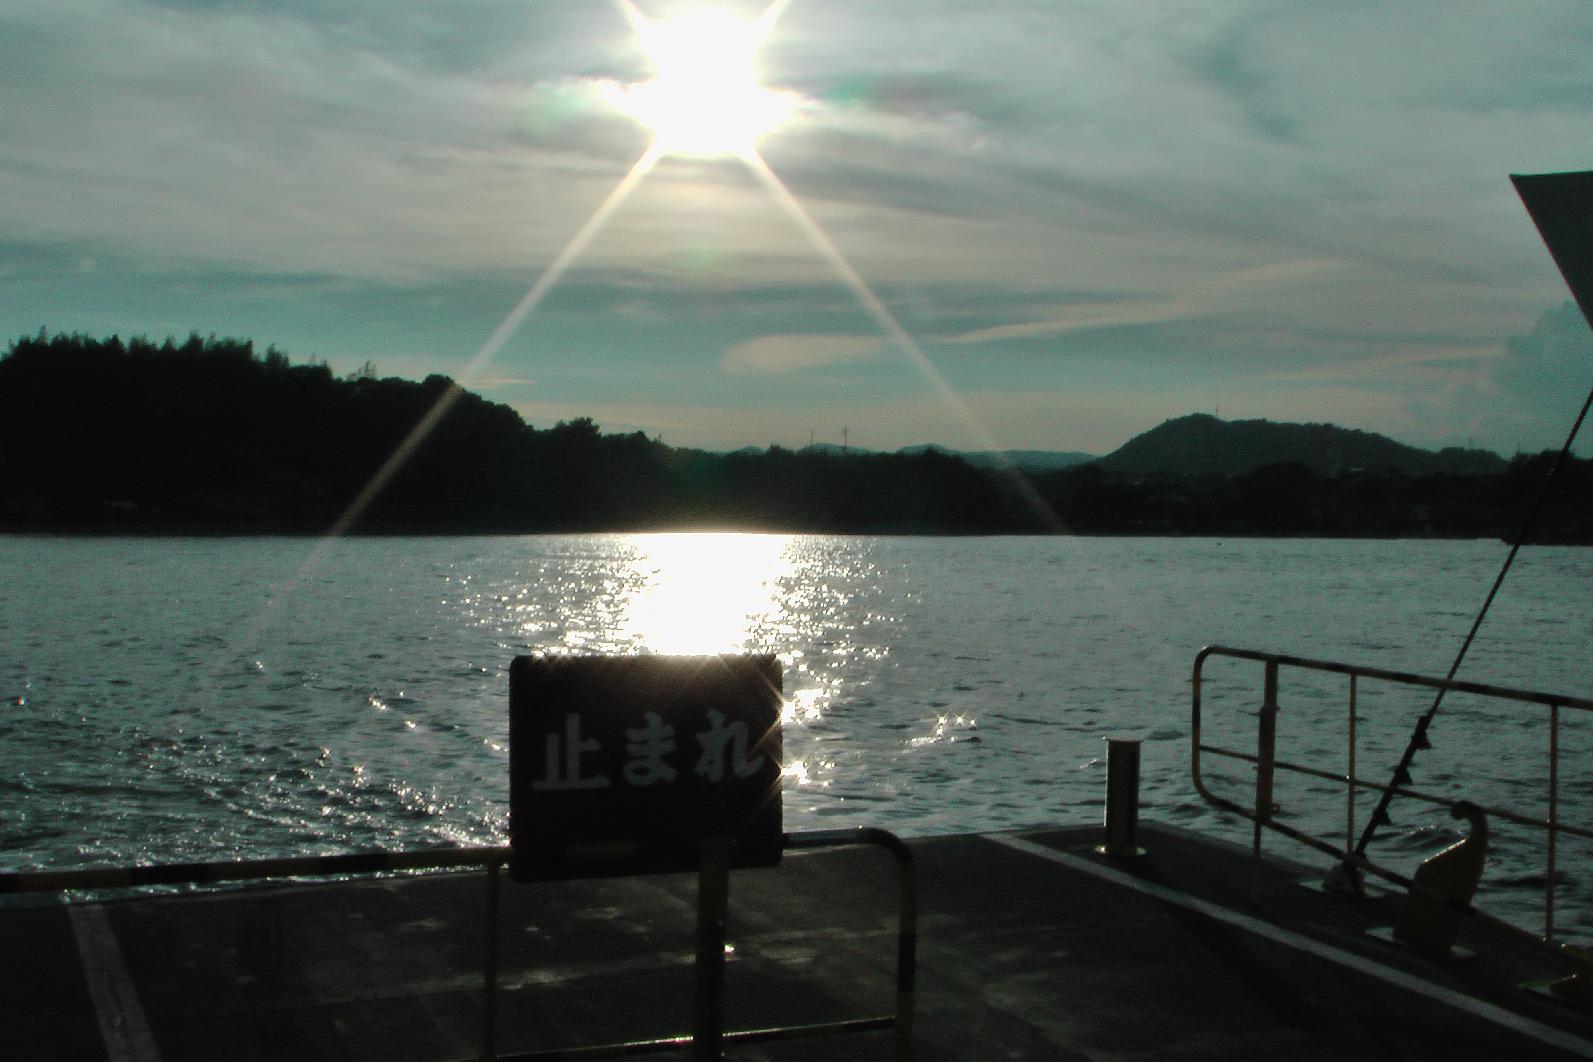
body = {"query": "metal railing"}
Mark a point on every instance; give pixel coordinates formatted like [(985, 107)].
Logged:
[(492, 860), (1263, 812)]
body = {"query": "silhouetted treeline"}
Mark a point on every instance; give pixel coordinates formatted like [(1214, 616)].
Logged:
[(1291, 499), (209, 435)]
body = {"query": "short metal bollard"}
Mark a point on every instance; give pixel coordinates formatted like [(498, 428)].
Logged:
[(1122, 798)]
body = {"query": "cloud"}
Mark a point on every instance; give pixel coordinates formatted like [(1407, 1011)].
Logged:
[(1201, 298), (1084, 317), (397, 143), (1251, 195), (1426, 365), (279, 139), (773, 355), (1541, 365), (494, 382), (1525, 397)]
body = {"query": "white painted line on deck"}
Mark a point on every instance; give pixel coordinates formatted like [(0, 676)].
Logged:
[(123, 1026), (1546, 1034)]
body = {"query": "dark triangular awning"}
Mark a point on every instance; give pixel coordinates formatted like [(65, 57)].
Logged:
[(1561, 204)]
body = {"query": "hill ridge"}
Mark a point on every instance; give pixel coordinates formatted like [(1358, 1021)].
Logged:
[(1200, 444)]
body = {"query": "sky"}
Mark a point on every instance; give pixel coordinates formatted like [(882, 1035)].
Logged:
[(1034, 225)]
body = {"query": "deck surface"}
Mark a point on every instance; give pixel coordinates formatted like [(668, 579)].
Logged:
[(1030, 947)]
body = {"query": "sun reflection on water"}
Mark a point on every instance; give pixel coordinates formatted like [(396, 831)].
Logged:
[(707, 593)]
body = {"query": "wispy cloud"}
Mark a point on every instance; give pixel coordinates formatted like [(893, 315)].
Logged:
[(1083, 317), (1396, 369), (494, 382), (1201, 298), (773, 355)]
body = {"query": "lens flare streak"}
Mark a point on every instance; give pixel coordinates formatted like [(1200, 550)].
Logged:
[(743, 147), (500, 335), (898, 335), (417, 435)]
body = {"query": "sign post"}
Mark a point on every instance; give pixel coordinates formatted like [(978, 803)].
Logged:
[(648, 764), (713, 899)]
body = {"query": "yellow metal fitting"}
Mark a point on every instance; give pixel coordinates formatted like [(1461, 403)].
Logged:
[(1445, 884)]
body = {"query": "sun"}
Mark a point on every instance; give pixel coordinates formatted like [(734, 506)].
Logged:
[(704, 99)]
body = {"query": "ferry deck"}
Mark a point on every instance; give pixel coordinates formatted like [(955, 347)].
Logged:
[(1030, 945)]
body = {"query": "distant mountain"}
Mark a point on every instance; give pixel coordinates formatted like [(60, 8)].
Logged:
[(1201, 444), (1026, 460)]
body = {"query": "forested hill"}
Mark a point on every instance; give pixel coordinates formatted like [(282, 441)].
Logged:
[(1202, 445), (211, 436)]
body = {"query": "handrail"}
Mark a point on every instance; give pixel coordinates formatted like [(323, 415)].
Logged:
[(1267, 764), (906, 914), (249, 869), (492, 859), (1409, 678)]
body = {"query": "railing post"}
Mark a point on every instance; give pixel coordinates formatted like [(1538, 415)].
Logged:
[(1266, 741), (906, 950), (1554, 821), (1122, 797), (713, 900), (489, 975), (1349, 775), (906, 925)]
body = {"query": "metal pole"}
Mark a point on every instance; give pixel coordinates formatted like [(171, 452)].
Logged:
[(489, 976), (907, 918), (1266, 740), (713, 901), (1349, 814), (906, 949), (1554, 820), (1122, 797)]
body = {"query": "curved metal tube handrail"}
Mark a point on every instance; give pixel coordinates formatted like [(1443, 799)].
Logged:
[(1262, 814)]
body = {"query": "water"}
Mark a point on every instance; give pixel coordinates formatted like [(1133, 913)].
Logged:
[(196, 699)]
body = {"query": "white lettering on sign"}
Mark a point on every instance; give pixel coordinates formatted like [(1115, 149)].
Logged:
[(711, 764), (723, 751), (647, 746), (563, 771)]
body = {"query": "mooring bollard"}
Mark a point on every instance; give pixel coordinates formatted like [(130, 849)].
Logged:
[(1122, 798)]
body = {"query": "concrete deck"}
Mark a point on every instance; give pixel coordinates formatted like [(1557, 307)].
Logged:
[(1030, 947)]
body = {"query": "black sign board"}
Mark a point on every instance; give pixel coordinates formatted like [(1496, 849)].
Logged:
[(626, 764)]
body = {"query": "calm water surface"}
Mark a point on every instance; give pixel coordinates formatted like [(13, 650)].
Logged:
[(168, 699)]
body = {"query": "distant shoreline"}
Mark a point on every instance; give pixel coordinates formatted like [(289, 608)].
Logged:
[(210, 438), (230, 533)]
